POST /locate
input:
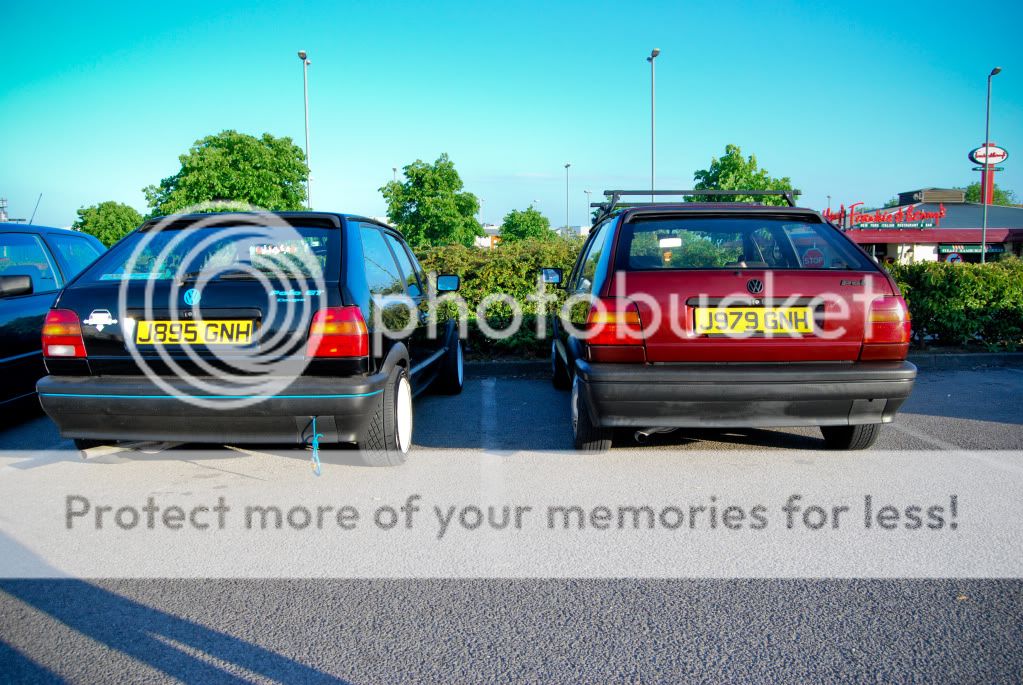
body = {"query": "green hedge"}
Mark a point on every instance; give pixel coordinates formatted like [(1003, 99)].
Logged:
[(964, 304), (511, 268)]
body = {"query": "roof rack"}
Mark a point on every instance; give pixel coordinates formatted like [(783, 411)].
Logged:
[(614, 196)]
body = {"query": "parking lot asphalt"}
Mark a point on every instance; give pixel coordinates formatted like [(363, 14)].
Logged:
[(535, 630)]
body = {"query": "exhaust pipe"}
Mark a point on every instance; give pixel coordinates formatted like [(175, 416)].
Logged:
[(643, 434)]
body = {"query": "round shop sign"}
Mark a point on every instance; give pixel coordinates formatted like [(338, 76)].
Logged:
[(988, 154), (813, 259), (954, 258)]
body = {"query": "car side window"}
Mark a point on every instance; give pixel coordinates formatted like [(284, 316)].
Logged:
[(419, 267), (407, 268), (382, 273), (586, 276), (77, 252), (23, 254)]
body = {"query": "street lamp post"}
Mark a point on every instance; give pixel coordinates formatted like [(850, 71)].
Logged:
[(305, 91), (394, 174), (653, 121), (567, 164), (988, 176), (588, 200)]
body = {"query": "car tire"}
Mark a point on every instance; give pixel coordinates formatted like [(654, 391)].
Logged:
[(452, 373), (388, 437), (559, 372), (587, 437), (850, 437)]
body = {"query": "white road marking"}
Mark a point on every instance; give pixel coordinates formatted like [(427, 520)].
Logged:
[(933, 442), (492, 473), (488, 412), (976, 455)]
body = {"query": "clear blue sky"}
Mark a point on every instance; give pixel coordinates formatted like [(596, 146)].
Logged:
[(858, 102)]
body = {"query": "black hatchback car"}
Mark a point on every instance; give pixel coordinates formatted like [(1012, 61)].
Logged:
[(245, 327), (35, 262)]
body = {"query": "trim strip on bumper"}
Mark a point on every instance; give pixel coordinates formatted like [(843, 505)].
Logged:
[(211, 397)]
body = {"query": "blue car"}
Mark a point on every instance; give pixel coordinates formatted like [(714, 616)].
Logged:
[(35, 263)]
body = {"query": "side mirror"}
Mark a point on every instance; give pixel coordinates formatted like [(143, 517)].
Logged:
[(552, 275), (12, 286), (448, 283)]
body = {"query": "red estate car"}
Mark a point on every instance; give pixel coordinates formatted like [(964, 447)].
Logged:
[(697, 314)]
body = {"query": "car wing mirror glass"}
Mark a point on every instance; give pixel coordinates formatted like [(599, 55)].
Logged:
[(552, 275), (12, 286), (448, 283)]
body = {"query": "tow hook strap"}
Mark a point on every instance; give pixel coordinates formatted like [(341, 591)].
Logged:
[(316, 448)]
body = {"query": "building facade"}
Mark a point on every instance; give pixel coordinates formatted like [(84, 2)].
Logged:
[(932, 225)]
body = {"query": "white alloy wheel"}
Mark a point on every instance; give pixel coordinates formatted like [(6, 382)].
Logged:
[(575, 406), (403, 415), (461, 370)]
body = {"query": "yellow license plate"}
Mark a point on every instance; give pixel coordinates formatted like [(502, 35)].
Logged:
[(193, 332), (725, 320)]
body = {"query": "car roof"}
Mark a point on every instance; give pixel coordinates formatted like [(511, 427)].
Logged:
[(12, 227), (332, 218), (723, 208)]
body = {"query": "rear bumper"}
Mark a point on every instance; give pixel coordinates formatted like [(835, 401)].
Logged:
[(744, 395), (134, 408)]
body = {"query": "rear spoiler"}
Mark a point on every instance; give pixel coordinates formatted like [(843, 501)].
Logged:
[(309, 219)]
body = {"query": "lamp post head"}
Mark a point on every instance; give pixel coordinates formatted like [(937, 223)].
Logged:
[(653, 54), (996, 71), (568, 164), (302, 54)]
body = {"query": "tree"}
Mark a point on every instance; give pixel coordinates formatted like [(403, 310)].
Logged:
[(430, 208), (1001, 197), (237, 169), (528, 223), (108, 221), (734, 172)]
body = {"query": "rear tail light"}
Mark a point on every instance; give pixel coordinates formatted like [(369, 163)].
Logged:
[(62, 334), (615, 323), (888, 330), (888, 321), (338, 332)]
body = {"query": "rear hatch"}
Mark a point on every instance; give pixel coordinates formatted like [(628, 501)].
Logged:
[(745, 287), (208, 299)]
